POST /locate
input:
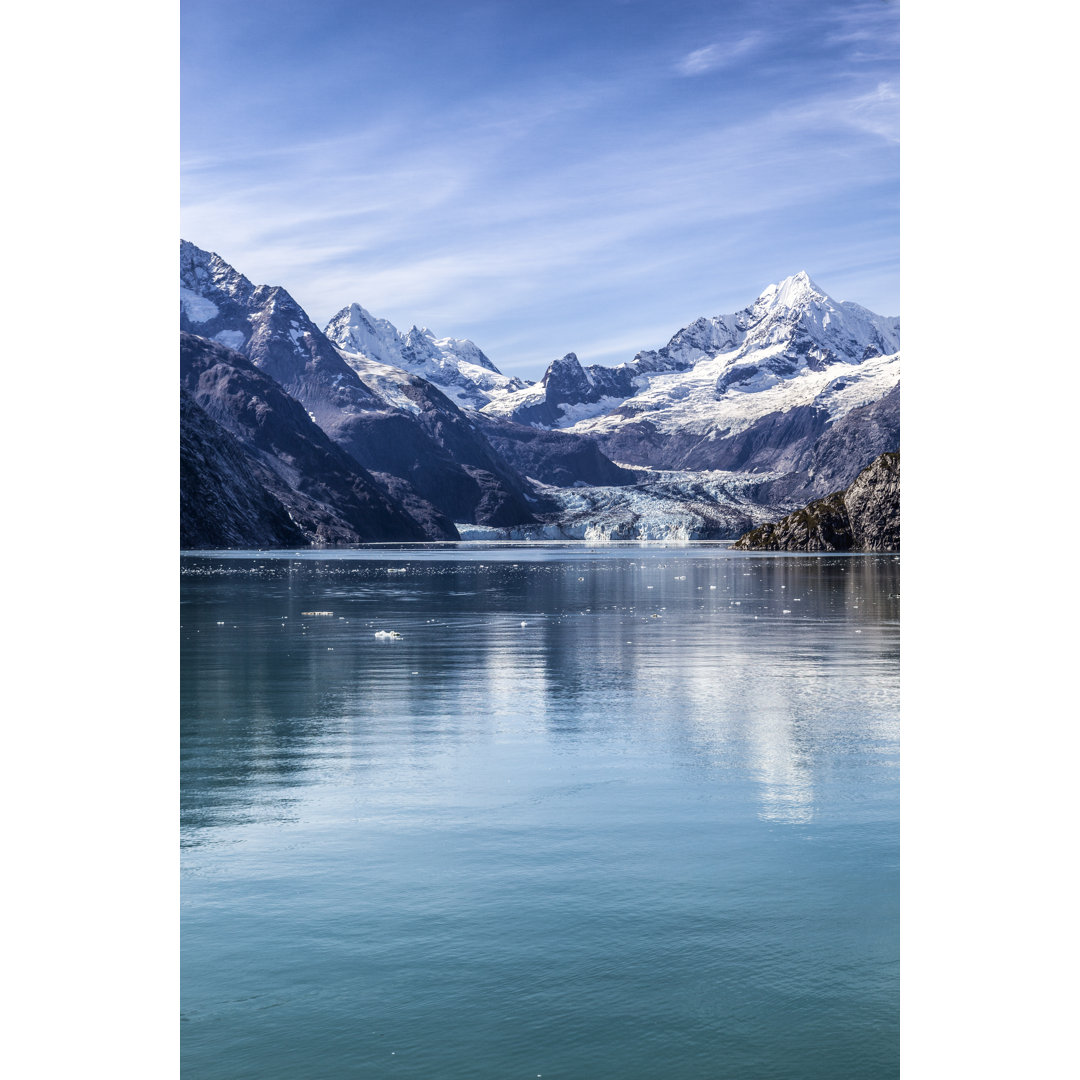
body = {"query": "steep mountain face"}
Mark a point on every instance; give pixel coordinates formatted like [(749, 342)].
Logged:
[(865, 517), (448, 461), (841, 452), (455, 365), (431, 445), (266, 325), (560, 458), (274, 447), (753, 391), (225, 498)]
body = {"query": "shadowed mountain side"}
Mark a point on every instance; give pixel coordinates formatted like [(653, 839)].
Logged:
[(331, 498), (772, 443), (842, 451), (553, 457), (224, 501), (865, 517), (447, 460), (441, 454)]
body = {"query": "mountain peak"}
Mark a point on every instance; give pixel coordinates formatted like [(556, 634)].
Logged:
[(791, 292)]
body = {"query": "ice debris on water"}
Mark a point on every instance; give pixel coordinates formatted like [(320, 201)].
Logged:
[(388, 634)]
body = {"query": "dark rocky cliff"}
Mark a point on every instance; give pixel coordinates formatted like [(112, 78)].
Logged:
[(431, 451), (225, 500), (249, 447), (865, 517)]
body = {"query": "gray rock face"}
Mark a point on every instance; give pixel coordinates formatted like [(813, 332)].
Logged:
[(842, 451), (225, 500), (561, 458), (865, 517), (815, 457), (322, 491), (873, 506), (775, 442)]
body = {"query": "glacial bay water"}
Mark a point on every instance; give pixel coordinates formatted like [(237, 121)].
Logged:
[(650, 833)]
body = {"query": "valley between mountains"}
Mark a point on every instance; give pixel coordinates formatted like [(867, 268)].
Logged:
[(292, 435)]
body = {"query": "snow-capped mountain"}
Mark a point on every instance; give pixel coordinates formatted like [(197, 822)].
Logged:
[(418, 442), (456, 365), (738, 418), (753, 390), (791, 329)]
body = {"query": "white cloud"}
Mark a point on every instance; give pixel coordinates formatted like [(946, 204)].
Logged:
[(717, 55)]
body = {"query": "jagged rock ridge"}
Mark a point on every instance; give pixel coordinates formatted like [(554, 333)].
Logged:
[(455, 365)]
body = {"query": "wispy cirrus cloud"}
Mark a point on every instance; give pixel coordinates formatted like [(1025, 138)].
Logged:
[(719, 54), (451, 232)]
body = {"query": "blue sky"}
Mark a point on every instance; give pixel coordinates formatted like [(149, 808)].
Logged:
[(544, 177)]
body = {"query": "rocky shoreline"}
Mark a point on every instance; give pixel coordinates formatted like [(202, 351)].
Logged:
[(864, 517)]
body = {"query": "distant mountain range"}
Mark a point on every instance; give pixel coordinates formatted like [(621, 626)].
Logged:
[(292, 434)]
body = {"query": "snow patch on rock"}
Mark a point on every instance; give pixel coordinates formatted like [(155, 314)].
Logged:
[(232, 339), (197, 308)]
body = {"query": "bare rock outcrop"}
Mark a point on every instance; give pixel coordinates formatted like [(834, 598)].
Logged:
[(865, 517)]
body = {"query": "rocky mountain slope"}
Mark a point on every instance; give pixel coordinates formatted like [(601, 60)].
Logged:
[(559, 458), (420, 438), (225, 496), (264, 455), (865, 517)]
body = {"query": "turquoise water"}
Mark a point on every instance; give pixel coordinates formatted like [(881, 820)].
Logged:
[(599, 845)]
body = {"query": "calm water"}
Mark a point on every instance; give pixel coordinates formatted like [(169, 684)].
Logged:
[(602, 844)]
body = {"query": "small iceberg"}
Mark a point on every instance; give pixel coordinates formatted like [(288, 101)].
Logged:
[(390, 634)]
